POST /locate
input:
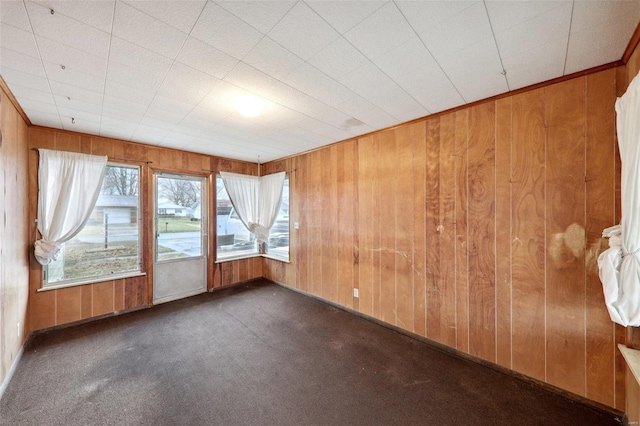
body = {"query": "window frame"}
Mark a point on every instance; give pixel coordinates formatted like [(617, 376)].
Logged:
[(112, 276), (257, 252)]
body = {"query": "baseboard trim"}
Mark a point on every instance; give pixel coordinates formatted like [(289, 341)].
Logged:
[(463, 355), (14, 367)]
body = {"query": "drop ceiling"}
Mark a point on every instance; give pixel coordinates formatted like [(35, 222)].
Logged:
[(166, 73)]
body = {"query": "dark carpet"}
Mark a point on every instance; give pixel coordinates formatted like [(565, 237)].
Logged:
[(259, 354)]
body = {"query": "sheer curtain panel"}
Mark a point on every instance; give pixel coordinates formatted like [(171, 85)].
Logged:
[(620, 264), (68, 186), (256, 200)]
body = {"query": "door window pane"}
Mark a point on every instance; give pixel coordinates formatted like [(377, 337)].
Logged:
[(179, 218)]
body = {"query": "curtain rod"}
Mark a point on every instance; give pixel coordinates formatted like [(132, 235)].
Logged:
[(110, 158), (218, 171)]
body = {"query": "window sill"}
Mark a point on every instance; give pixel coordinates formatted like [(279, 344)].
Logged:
[(249, 256), (278, 258), (238, 257), (95, 280)]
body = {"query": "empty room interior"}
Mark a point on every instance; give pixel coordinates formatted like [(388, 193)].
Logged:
[(317, 212)]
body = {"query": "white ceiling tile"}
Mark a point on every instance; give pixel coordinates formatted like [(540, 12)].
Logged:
[(73, 77), (380, 32), (181, 15), (148, 82), (344, 15), (160, 124), (116, 132), (458, 32), (589, 48), (338, 134), (80, 115), (365, 80), (395, 101), (14, 13), (71, 58), (546, 28), (338, 58), (22, 62), (315, 83), (27, 93), (303, 32), (15, 39), (68, 31), (405, 59), (272, 59), (125, 106), (196, 124), (424, 15), (225, 32), (121, 115), (171, 105), (543, 63), (110, 122), (75, 104), (476, 70), (508, 14), (44, 107), (145, 31), (20, 78), (588, 15), (431, 87), (96, 13), (168, 119), (205, 58), (128, 93), (76, 93), (44, 119), (149, 131), (261, 15), (187, 85), (377, 118)]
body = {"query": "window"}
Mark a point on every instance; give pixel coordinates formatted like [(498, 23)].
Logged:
[(109, 244), (279, 234), (233, 238)]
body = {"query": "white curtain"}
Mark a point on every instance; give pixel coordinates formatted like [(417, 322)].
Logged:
[(68, 186), (256, 200), (620, 264)]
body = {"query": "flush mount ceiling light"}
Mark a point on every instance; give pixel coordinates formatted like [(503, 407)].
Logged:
[(249, 105)]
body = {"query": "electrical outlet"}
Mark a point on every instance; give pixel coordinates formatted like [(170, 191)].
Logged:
[(296, 225), (356, 293)]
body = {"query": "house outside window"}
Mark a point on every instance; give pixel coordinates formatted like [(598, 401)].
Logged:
[(109, 244)]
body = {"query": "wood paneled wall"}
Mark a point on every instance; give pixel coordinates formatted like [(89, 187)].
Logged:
[(479, 229), (56, 307), (14, 269)]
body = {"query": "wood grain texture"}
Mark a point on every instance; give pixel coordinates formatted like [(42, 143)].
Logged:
[(528, 234), (565, 167), (462, 253), (481, 231), (487, 190), (600, 214), (503, 232)]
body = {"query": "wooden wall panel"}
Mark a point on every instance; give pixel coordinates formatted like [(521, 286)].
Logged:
[(600, 214), (503, 232), (565, 166), (365, 224), (481, 231), (459, 217), (528, 234), (461, 248), (55, 307), (404, 231), (14, 233), (419, 229)]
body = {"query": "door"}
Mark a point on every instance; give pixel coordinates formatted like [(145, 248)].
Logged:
[(180, 266)]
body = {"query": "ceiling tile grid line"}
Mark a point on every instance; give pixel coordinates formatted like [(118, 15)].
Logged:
[(168, 72)]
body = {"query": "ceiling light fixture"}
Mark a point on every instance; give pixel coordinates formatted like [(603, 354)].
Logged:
[(249, 105)]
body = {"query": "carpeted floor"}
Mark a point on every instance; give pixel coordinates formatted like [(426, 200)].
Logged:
[(260, 354)]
